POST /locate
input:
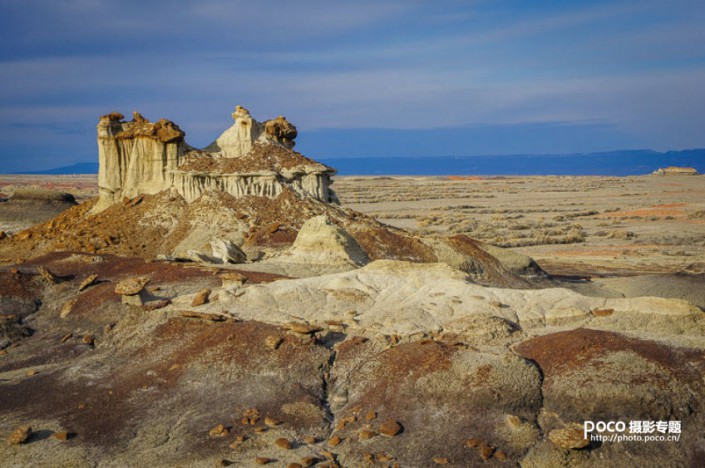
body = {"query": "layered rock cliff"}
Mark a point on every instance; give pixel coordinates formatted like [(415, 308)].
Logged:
[(250, 158)]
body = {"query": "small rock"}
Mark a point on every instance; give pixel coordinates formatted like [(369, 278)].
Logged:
[(131, 286), (250, 416), (3, 235), (66, 337), (499, 455), (308, 461), (570, 437), (89, 281), (390, 428), (31, 372), (224, 462), (283, 443), (368, 457), (371, 415), (472, 443), (108, 328), (366, 434), (440, 461), (294, 465), (602, 312), (334, 441), (486, 451), (133, 202), (88, 339), (303, 328), (47, 275), (513, 420), (383, 457), (20, 435), (201, 297), (233, 280), (272, 342), (310, 440), (271, 422), (156, 305), (67, 307), (62, 435), (264, 460), (203, 315), (218, 431), (261, 429)]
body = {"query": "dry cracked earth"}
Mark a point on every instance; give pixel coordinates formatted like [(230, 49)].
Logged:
[(392, 364)]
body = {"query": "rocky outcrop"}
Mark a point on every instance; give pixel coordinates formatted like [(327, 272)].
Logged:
[(321, 242), (250, 158), (676, 170), (136, 157)]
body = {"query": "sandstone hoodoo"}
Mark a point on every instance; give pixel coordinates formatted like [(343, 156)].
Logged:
[(250, 158)]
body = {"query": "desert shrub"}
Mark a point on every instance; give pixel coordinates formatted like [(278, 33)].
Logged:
[(622, 235)]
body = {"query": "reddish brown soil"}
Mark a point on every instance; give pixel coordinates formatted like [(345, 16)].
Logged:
[(383, 243), (260, 158), (578, 347)]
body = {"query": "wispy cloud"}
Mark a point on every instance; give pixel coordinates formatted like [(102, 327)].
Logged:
[(398, 64)]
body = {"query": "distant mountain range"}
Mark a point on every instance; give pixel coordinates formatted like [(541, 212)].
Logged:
[(613, 163)]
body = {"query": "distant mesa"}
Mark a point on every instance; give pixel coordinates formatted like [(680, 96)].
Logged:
[(676, 170), (139, 157)]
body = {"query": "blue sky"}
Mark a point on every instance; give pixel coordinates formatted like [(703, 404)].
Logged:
[(358, 78)]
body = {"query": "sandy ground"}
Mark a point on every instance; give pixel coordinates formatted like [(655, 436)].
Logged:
[(589, 226), (570, 225)]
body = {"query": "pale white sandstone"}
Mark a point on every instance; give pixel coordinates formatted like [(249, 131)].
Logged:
[(322, 242), (139, 157)]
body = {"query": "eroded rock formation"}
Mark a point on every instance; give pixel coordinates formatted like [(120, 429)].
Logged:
[(676, 170), (250, 158)]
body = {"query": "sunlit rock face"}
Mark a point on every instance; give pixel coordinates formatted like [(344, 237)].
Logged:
[(250, 158)]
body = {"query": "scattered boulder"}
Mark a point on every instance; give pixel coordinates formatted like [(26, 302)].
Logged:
[(569, 437), (67, 307), (89, 281), (219, 430), (390, 428), (132, 286), (283, 443), (225, 251), (133, 290), (233, 280), (201, 297), (62, 435), (20, 435)]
